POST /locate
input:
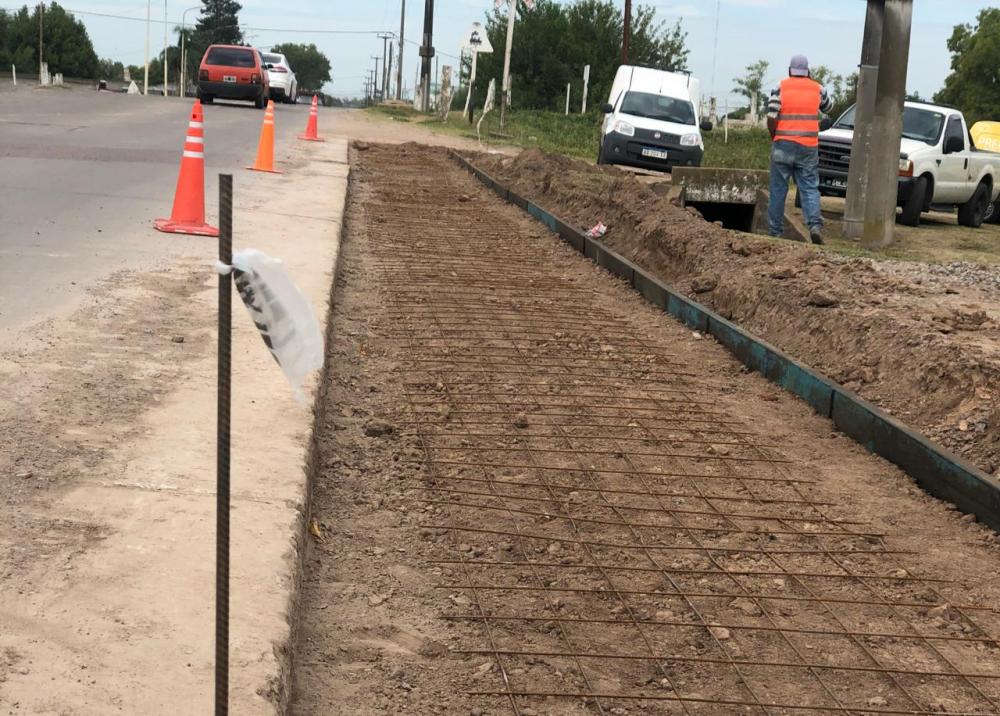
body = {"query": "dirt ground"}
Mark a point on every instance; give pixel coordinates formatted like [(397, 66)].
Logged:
[(920, 341), (535, 494)]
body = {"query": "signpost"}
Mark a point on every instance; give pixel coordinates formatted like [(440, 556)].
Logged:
[(475, 41)]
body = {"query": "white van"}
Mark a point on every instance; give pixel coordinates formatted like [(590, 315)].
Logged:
[(651, 120)]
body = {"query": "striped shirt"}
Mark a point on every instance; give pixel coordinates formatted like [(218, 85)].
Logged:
[(774, 103)]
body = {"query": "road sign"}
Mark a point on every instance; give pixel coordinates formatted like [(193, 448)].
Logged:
[(476, 39)]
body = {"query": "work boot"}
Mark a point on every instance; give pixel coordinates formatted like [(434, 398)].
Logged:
[(816, 234)]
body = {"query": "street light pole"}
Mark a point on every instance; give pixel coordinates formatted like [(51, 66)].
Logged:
[(145, 81), (184, 49), (41, 43), (165, 48)]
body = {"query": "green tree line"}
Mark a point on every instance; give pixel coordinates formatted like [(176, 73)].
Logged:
[(66, 45), (554, 41)]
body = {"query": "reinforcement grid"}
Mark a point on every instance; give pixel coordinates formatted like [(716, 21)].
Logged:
[(622, 543)]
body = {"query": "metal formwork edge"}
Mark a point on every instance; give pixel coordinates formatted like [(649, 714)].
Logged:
[(938, 471)]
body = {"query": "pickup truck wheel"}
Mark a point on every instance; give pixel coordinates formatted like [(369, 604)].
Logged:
[(992, 215), (915, 204), (972, 212)]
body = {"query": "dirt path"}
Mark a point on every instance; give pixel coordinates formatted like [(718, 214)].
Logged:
[(537, 495)]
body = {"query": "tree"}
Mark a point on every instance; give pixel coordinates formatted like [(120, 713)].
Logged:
[(218, 24), (751, 86), (311, 67), (68, 48), (108, 69), (974, 83), (554, 41)]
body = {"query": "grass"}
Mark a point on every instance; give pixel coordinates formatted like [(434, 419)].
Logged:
[(578, 135), (745, 149)]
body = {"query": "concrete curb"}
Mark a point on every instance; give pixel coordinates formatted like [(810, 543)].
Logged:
[(937, 470), (284, 650)]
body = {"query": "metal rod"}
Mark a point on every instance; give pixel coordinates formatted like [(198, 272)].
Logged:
[(798, 706), (725, 625), (222, 455)]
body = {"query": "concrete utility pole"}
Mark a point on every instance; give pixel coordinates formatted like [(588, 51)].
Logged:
[(399, 67), (426, 54), (145, 81), (505, 98), (388, 74), (887, 128), (858, 174), (384, 84), (586, 84), (375, 78), (626, 31)]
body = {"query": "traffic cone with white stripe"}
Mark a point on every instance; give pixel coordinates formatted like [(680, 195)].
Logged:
[(265, 148), (188, 214), (312, 129)]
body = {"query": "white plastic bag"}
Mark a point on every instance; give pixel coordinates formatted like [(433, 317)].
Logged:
[(281, 313)]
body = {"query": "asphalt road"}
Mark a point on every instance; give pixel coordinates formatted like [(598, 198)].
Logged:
[(82, 176)]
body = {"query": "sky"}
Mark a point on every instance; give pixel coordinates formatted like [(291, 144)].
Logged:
[(828, 31)]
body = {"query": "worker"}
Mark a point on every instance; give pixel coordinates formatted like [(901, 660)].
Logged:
[(793, 115)]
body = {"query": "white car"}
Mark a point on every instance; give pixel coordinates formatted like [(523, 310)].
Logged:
[(284, 86)]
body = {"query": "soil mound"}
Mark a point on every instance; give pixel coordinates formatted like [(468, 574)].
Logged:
[(926, 352)]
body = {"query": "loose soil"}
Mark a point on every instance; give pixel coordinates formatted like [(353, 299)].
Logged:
[(535, 494), (922, 344)]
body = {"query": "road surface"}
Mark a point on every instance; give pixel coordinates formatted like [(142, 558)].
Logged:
[(84, 175)]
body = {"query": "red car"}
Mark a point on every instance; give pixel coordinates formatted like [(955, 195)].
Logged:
[(234, 72)]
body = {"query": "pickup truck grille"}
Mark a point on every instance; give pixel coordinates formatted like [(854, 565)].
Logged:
[(834, 156)]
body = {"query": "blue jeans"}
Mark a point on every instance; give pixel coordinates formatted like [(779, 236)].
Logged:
[(790, 159)]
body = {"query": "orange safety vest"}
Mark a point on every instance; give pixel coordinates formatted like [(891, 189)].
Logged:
[(799, 118)]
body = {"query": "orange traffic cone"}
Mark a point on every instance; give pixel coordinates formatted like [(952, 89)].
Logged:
[(312, 129), (265, 149), (188, 214)]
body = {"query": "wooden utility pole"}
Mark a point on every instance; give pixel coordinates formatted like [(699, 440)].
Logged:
[(399, 68), (426, 55), (626, 31), (505, 88)]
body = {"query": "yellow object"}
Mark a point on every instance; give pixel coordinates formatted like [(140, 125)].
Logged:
[(986, 135)]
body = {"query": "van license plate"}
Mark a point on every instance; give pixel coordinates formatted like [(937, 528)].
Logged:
[(654, 153), (229, 78)]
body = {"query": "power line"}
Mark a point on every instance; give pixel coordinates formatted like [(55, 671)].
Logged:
[(114, 16)]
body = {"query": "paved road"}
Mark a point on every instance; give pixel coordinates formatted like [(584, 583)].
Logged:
[(83, 176)]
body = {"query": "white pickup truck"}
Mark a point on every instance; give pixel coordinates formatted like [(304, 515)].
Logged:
[(939, 166)]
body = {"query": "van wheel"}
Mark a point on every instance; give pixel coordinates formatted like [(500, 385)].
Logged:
[(914, 206), (207, 99), (259, 101), (972, 212)]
